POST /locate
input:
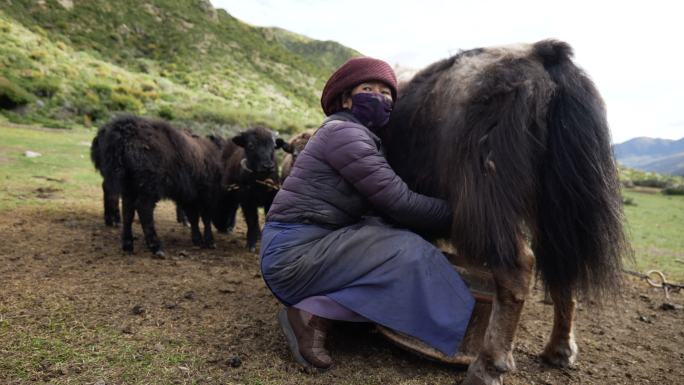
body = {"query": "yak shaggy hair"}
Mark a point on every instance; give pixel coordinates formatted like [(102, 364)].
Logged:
[(516, 139)]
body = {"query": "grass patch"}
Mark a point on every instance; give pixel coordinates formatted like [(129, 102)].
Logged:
[(62, 172), (656, 223)]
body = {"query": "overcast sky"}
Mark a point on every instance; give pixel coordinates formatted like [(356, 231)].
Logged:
[(634, 50)]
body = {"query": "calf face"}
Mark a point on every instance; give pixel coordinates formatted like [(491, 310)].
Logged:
[(251, 181), (259, 145)]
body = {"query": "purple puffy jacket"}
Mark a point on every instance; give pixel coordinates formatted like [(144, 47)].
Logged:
[(343, 175)]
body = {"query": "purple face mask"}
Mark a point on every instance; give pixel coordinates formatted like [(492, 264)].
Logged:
[(372, 110)]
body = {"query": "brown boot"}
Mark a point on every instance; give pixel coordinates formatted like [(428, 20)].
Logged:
[(305, 334)]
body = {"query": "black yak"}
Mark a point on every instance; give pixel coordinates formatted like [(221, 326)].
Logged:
[(144, 161), (250, 180), (516, 138)]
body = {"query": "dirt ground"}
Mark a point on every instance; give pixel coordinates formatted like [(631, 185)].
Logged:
[(75, 310)]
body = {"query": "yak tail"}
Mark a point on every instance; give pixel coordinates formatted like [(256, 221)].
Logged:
[(578, 239), (112, 145), (95, 155)]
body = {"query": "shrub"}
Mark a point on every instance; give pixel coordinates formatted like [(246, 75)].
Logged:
[(101, 89), (674, 190), (651, 182), (38, 55), (89, 105), (12, 95), (166, 112), (123, 102), (45, 87)]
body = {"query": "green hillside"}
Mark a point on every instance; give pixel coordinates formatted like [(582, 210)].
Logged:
[(65, 62)]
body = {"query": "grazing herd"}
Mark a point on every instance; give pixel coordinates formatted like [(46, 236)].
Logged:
[(143, 161)]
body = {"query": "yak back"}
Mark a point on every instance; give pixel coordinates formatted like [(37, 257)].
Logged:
[(159, 159)]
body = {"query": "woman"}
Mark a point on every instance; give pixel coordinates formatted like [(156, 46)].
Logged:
[(337, 244)]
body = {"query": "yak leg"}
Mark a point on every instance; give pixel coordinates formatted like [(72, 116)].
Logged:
[(180, 216), (111, 204), (224, 216), (512, 286), (145, 209), (561, 350), (208, 236), (268, 201), (249, 210), (128, 206), (193, 217), (232, 212)]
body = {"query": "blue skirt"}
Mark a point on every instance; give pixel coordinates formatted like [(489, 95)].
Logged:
[(389, 275)]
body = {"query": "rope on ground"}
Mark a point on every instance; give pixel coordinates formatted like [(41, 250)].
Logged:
[(657, 279)]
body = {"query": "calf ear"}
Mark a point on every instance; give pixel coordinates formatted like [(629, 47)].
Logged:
[(217, 140), (240, 140), (287, 147), (280, 143)]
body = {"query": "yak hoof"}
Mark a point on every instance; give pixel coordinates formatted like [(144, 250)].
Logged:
[(482, 373), (159, 254), (252, 249), (127, 247), (561, 355)]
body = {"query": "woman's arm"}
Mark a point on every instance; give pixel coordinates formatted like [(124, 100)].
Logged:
[(352, 152)]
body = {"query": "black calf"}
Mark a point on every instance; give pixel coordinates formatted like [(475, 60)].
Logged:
[(250, 180), (145, 161)]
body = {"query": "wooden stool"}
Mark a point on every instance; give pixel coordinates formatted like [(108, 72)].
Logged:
[(481, 285)]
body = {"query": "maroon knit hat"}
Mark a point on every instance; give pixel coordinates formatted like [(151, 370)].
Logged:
[(352, 73)]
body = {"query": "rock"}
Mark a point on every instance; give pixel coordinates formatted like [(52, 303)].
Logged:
[(170, 305), (671, 306), (100, 382), (32, 154), (227, 290), (643, 318), (235, 362), (138, 310), (190, 295)]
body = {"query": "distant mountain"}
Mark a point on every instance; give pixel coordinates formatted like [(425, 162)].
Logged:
[(651, 154), (82, 60)]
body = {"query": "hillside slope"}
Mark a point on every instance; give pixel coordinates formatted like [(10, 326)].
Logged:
[(652, 154), (197, 63)]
